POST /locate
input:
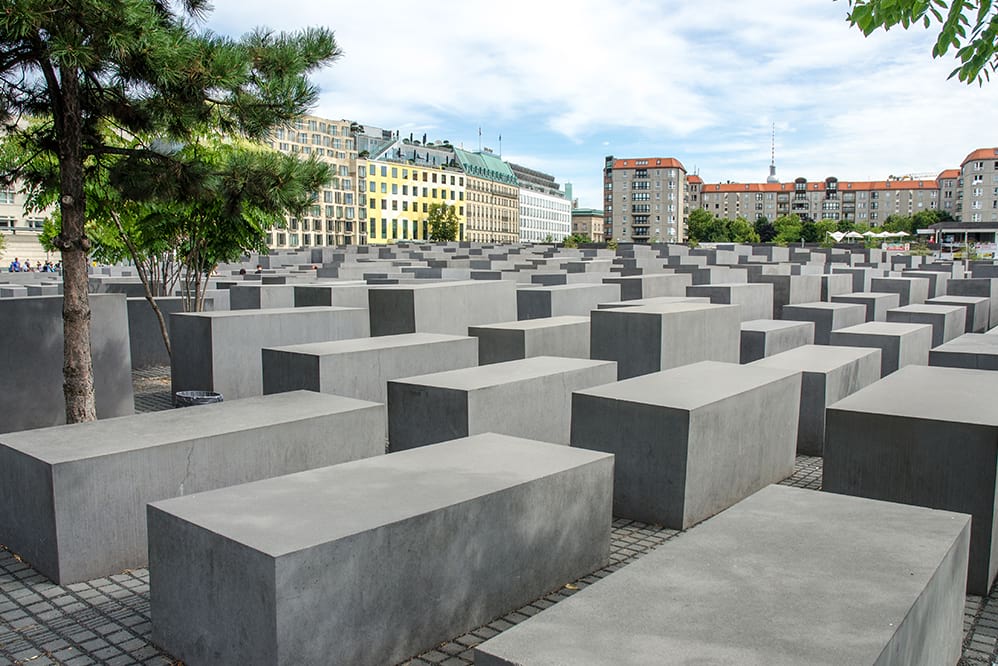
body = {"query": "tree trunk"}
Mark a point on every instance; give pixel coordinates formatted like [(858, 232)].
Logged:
[(78, 374)]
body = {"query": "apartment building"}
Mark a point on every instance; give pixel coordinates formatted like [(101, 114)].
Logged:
[(336, 216), (492, 210), (399, 196), (867, 202), (644, 199), (979, 186), (545, 212), (588, 222)]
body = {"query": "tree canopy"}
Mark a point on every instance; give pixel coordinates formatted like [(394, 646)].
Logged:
[(703, 227), (968, 26), (135, 68), (443, 222)]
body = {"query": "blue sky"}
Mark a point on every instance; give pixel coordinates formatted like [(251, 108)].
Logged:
[(567, 83)]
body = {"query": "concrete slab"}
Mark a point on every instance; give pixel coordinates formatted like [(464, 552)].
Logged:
[(634, 287), (877, 303), (827, 317), (947, 321), (790, 289), (742, 588), (361, 368), (975, 351), (899, 344), (658, 300), (833, 284), (928, 437), (527, 398), (910, 290), (563, 300), (566, 336), (72, 498), (828, 375), (764, 337), (221, 351), (978, 310), (442, 307), (336, 565), (755, 300), (691, 441), (981, 287), (652, 338)]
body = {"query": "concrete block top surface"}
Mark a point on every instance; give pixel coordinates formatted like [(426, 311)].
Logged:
[(265, 312), (742, 588), (654, 301), (868, 295), (954, 395), (351, 345), (883, 328), (530, 324), (929, 308), (962, 300), (971, 343), (671, 308), (819, 305), (764, 325), (817, 358), (77, 441), (298, 511), (442, 285), (581, 286), (690, 386), (495, 374)]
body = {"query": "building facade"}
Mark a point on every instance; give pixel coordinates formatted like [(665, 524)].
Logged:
[(979, 186), (588, 222), (644, 199), (336, 216), (399, 196), (492, 210), (545, 212)]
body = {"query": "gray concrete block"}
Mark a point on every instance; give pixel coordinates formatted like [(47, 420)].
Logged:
[(260, 296), (928, 437), (652, 338), (977, 310), (828, 375), (947, 321), (741, 589), (754, 300), (877, 303), (371, 562), (937, 280), (658, 300), (528, 398), (72, 498), (691, 441), (32, 356), (764, 337), (636, 287), (566, 336), (790, 289), (910, 290), (145, 340), (835, 284), (899, 344), (444, 307), (981, 287), (563, 300), (221, 351), (975, 351), (344, 293), (860, 277), (361, 368), (826, 317)]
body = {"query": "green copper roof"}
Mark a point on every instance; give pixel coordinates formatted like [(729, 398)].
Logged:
[(487, 166)]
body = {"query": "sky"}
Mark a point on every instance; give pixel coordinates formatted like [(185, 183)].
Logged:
[(566, 83)]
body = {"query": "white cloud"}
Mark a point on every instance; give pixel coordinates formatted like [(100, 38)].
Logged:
[(567, 82)]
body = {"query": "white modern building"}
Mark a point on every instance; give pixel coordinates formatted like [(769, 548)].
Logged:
[(545, 211)]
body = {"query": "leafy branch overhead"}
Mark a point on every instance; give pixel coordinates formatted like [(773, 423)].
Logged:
[(968, 26)]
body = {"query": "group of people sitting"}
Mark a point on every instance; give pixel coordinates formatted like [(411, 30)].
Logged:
[(17, 267)]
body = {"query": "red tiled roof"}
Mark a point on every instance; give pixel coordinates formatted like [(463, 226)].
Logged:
[(649, 162), (981, 154), (695, 179), (819, 186), (949, 174)]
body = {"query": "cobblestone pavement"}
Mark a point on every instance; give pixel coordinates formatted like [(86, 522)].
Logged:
[(106, 621)]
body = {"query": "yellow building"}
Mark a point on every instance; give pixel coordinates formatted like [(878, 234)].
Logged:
[(398, 197)]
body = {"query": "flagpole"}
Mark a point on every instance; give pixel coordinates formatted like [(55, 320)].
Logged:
[(479, 138)]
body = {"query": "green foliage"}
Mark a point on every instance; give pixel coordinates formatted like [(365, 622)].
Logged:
[(443, 222), (788, 229), (920, 249), (700, 227), (765, 229), (612, 244), (823, 228), (575, 240), (968, 26), (740, 231), (845, 226)]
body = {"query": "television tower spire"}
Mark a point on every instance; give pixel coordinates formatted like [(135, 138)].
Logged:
[(772, 161)]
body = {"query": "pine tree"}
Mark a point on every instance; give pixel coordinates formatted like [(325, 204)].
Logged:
[(138, 68)]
